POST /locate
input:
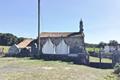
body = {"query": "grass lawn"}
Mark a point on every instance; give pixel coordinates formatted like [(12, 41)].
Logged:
[(6, 48), (104, 60), (92, 49), (26, 69)]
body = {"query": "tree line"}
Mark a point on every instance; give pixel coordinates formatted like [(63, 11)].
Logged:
[(102, 44), (8, 39)]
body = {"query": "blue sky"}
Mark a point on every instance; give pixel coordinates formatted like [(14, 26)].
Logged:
[(101, 18), (19, 17)]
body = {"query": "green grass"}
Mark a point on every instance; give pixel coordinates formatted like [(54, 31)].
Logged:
[(104, 60), (26, 69), (6, 48), (92, 49)]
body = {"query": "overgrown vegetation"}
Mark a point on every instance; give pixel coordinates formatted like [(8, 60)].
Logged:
[(117, 68)]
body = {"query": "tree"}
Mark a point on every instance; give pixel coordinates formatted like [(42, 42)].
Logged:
[(7, 39), (101, 45), (113, 43), (90, 45)]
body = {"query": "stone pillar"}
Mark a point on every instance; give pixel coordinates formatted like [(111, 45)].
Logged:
[(33, 50), (115, 57)]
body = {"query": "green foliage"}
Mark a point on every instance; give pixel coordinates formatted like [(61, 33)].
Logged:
[(117, 68), (101, 45), (113, 43), (92, 49), (88, 45), (7, 39)]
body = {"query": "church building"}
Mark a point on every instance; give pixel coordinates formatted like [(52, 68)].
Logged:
[(63, 43)]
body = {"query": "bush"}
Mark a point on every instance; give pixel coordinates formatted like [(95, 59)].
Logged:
[(117, 68)]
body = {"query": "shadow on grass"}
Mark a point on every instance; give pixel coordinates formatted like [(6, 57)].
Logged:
[(101, 65)]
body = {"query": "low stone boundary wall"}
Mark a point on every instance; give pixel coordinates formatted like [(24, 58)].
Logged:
[(75, 58), (78, 58)]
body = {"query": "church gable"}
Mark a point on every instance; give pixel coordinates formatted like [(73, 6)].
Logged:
[(73, 40), (62, 48), (48, 47), (65, 44)]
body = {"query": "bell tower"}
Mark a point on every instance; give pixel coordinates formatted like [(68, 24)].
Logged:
[(81, 26)]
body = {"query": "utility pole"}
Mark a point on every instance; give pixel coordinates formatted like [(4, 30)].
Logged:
[(38, 27)]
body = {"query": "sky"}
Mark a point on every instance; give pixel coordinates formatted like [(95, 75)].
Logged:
[(101, 18)]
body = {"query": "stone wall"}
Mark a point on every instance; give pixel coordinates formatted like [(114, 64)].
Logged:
[(116, 57), (75, 58), (77, 50), (76, 43)]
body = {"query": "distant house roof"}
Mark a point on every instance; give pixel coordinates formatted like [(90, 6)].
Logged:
[(59, 34), (24, 43)]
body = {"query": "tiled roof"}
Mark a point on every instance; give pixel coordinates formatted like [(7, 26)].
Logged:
[(58, 34), (24, 43)]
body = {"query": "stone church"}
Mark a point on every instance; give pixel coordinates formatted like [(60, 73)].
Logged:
[(63, 43)]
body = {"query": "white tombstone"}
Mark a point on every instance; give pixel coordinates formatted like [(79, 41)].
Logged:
[(62, 48), (48, 47)]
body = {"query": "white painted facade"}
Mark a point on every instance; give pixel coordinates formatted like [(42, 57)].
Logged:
[(48, 47), (62, 48), (14, 49)]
